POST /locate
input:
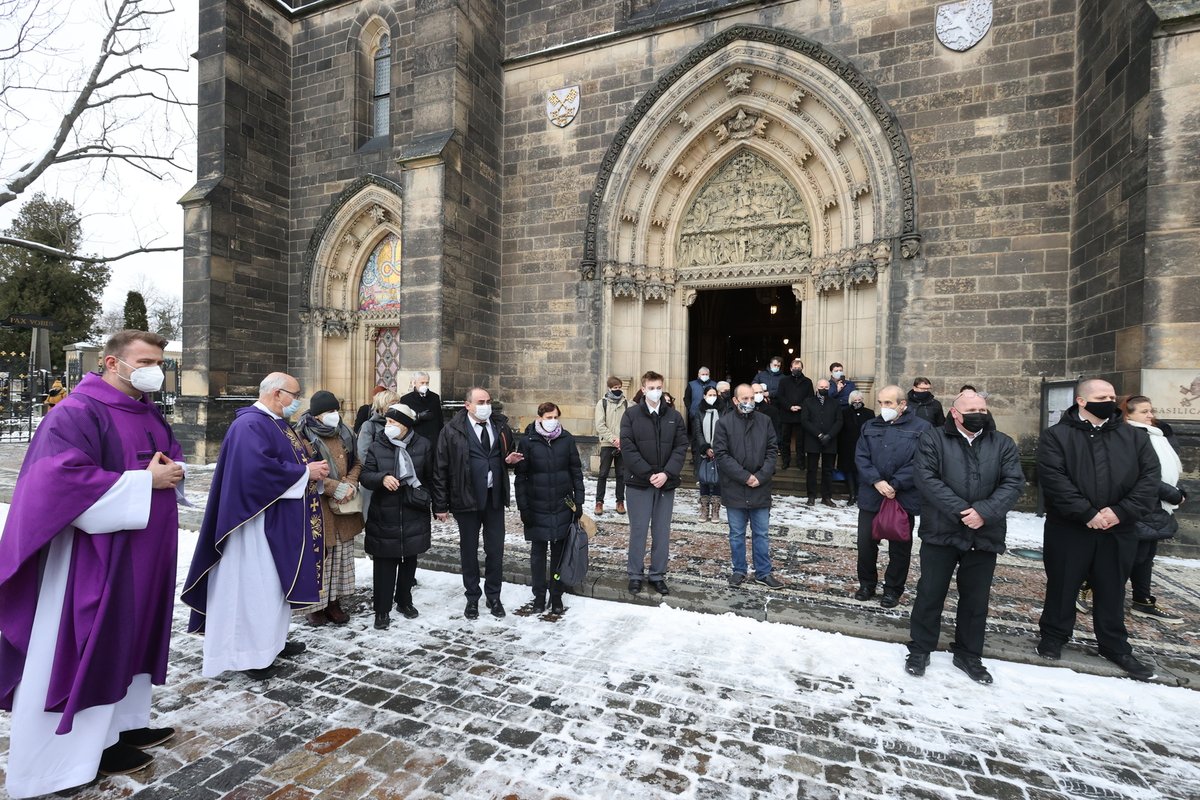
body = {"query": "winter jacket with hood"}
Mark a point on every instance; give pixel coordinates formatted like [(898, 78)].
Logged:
[(885, 452)]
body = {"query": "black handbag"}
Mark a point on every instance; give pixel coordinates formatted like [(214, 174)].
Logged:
[(417, 497)]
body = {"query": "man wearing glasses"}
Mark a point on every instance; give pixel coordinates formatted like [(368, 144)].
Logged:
[(261, 546)]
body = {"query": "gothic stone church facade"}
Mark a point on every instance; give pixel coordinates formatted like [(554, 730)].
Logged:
[(532, 195)]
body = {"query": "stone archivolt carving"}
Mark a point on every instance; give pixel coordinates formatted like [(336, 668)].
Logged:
[(331, 322), (748, 212), (652, 284), (741, 126), (738, 81)]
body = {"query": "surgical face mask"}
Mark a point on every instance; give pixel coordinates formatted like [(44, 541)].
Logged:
[(838, 375), (703, 376), (549, 425), (774, 368), (711, 399), (758, 397), (483, 411), (888, 414), (654, 395), (423, 388), (144, 379), (746, 408), (291, 408), (974, 422), (330, 419)]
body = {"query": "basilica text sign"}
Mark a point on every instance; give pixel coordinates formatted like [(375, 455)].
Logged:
[(1175, 393)]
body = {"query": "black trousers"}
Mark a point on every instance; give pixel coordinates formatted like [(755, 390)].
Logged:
[(899, 556), (975, 572), (1143, 567), (394, 578), (810, 479), (610, 457), (540, 570), (791, 430), (491, 521), (851, 480), (1073, 553)]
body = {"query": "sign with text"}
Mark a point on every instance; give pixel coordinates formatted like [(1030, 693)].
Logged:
[(32, 321), (1175, 393)]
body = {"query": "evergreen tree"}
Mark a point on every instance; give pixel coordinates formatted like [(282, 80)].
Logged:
[(135, 312), (31, 282)]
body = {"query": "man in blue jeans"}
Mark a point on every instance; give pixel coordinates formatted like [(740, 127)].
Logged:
[(745, 448)]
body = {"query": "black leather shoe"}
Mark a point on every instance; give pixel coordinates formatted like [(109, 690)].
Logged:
[(974, 668), (864, 593), (408, 610), (496, 607), (141, 738), (852, 499), (556, 606), (915, 663), (472, 609), (736, 579), (293, 649), (382, 621), (1134, 668), (660, 586), (812, 501), (260, 674), (828, 501), (1049, 650), (538, 606), (123, 759), (889, 600), (635, 585)]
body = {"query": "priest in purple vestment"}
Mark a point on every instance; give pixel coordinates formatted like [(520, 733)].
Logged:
[(261, 546), (87, 577)]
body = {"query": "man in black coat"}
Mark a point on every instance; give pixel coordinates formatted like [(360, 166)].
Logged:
[(428, 406), (654, 445), (926, 406), (1099, 476), (470, 481), (969, 476), (886, 448), (794, 389), (744, 446), (821, 418)]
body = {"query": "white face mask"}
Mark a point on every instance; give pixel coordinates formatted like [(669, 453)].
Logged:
[(423, 388), (330, 419), (758, 397), (837, 376), (888, 414), (549, 425), (483, 411), (144, 379), (395, 433), (712, 401), (654, 395), (703, 377)]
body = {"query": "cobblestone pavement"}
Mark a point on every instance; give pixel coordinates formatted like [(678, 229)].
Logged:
[(620, 700)]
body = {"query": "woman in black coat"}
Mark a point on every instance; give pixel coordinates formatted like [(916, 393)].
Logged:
[(853, 417), (550, 475), (704, 426), (398, 467)]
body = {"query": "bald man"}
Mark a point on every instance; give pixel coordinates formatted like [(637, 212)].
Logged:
[(969, 477), (1099, 476), (884, 458), (261, 547)]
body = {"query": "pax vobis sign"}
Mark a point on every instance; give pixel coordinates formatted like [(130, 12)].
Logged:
[(1175, 393)]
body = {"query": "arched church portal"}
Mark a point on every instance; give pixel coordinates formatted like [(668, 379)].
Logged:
[(756, 199)]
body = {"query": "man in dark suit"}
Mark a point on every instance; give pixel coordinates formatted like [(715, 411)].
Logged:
[(821, 418), (470, 481)]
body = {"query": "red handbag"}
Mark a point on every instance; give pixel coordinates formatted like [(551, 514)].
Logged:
[(891, 523)]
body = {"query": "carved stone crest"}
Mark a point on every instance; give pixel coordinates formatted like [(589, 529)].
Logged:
[(961, 25), (562, 105)]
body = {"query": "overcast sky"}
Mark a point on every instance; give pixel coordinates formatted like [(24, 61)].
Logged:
[(126, 207)]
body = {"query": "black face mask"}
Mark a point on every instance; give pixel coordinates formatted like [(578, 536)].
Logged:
[(1102, 409), (921, 396), (615, 392), (797, 373), (823, 392), (975, 422), (857, 404)]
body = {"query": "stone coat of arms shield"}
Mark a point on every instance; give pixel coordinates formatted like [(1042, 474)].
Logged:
[(961, 25), (562, 105)]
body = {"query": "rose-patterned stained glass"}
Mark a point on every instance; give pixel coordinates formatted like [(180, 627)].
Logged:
[(387, 357), (380, 286)]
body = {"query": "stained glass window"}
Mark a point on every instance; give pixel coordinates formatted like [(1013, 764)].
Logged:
[(387, 356), (380, 286)]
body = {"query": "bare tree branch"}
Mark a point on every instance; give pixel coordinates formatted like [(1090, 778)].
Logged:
[(56, 252)]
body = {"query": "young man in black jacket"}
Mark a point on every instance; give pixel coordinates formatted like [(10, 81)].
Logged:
[(821, 418), (794, 389), (969, 476), (470, 481), (654, 445), (1099, 476)]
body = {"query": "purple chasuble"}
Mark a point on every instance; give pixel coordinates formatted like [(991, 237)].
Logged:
[(261, 458), (116, 619)]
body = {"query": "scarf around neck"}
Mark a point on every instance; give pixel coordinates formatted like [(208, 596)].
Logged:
[(316, 432), (549, 435), (1168, 459)]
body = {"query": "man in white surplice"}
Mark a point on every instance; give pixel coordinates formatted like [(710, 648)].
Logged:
[(261, 548), (87, 577)]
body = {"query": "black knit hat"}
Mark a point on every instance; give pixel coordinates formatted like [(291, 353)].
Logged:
[(397, 413), (322, 402)]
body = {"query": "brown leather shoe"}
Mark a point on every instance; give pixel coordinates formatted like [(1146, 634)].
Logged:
[(620, 507), (599, 509), (317, 618), (335, 613)]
